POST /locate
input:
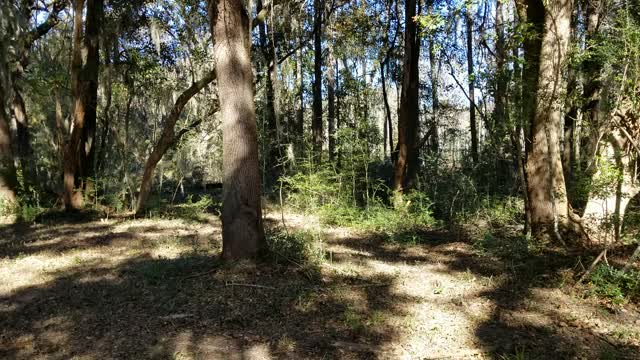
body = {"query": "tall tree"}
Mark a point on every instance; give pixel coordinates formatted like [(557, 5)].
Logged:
[(550, 211), (405, 167), (316, 123), (472, 83), (78, 163), (169, 137), (242, 230)]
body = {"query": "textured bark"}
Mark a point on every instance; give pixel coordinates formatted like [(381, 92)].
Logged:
[(167, 138), (299, 127), (78, 163), (8, 179), (591, 68), (22, 141), (550, 217), (472, 106), (331, 100), (242, 230), (316, 124), (404, 167)]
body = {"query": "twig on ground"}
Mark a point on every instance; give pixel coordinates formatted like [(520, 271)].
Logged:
[(249, 285), (199, 274)]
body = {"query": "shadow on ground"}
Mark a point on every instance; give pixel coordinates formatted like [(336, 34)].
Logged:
[(186, 304)]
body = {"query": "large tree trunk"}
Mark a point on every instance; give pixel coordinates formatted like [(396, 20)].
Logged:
[(316, 124), (242, 230), (550, 211), (168, 137), (406, 161), (472, 87), (78, 167)]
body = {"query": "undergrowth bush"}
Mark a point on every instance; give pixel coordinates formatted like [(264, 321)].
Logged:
[(303, 248), (615, 285)]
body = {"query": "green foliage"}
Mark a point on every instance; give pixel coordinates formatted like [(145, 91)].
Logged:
[(402, 224), (303, 248), (190, 210), (615, 285)]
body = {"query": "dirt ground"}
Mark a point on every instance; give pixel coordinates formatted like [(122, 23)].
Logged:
[(148, 288)]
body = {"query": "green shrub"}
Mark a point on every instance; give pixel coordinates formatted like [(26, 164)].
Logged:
[(302, 248), (615, 285)]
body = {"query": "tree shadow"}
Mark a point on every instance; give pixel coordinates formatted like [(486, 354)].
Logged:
[(194, 306)]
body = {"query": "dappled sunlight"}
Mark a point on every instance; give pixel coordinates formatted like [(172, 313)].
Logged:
[(146, 290)]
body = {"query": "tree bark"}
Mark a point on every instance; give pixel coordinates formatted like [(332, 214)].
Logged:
[(168, 138), (592, 67), (331, 99), (550, 211), (300, 97), (406, 161), (78, 167), (8, 179), (242, 230), (316, 124), (471, 76)]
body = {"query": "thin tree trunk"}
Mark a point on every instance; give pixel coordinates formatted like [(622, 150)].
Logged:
[(331, 98), (300, 96), (242, 230), (471, 76), (316, 124), (433, 74), (168, 137), (592, 67), (500, 114), (23, 143)]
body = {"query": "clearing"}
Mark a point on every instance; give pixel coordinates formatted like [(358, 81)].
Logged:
[(123, 288)]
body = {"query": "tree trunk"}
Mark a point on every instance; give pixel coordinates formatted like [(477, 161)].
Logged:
[(406, 161), (8, 179), (499, 113), (168, 138), (316, 125), (604, 213), (78, 168), (242, 230), (550, 217), (299, 133), (433, 75), (23, 143), (592, 67), (472, 87), (331, 98)]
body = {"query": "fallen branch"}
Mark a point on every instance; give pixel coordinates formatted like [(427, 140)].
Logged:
[(249, 285), (593, 265)]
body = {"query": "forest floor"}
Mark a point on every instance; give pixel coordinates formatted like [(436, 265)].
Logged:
[(123, 288)]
